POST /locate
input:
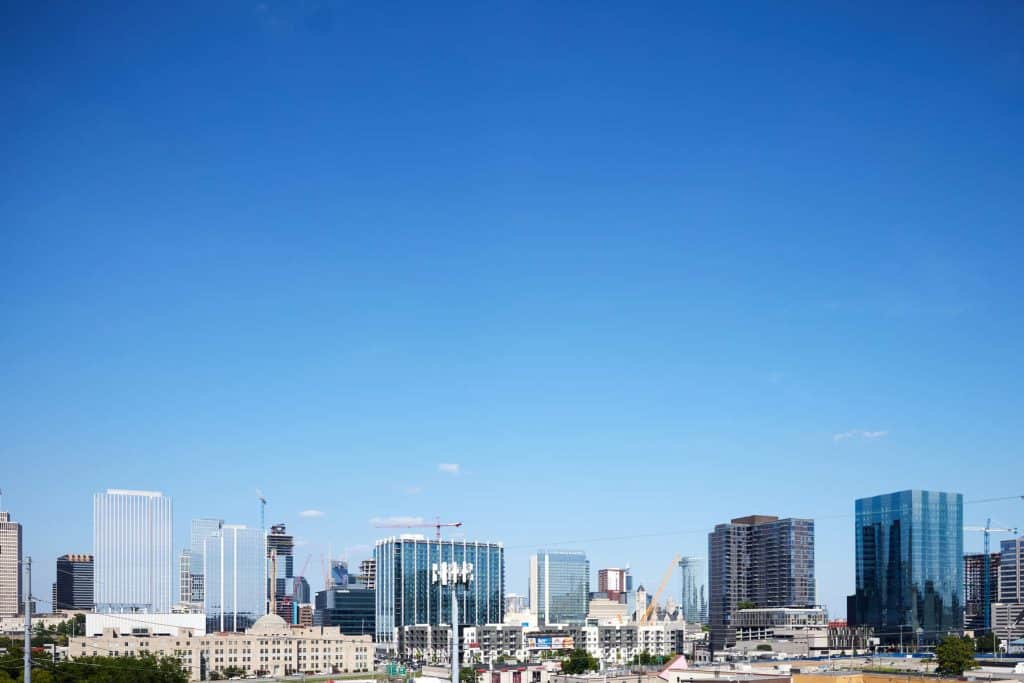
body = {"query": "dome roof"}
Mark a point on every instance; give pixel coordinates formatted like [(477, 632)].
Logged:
[(270, 623)]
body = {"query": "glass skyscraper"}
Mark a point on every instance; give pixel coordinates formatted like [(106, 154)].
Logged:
[(560, 586), (406, 596), (909, 566), (133, 551), (235, 572), (694, 590), (201, 528)]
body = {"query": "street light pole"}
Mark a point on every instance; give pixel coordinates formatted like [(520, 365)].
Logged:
[(28, 619), (455, 634), (454, 574)]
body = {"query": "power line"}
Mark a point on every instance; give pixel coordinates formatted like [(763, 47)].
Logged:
[(124, 616), (686, 532)]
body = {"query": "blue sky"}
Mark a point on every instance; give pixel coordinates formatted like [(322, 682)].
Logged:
[(635, 268)]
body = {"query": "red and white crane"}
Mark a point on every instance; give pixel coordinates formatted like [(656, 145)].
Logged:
[(436, 525)]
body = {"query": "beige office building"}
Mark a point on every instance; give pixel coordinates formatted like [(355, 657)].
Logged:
[(270, 648), (10, 566)]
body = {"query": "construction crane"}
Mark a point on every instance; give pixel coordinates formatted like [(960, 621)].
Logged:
[(661, 589), (272, 606), (436, 525), (263, 510), (987, 579)]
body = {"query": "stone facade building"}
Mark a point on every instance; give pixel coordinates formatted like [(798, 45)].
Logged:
[(269, 648)]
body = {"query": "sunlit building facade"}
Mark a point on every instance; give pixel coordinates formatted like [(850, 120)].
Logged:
[(133, 553), (201, 528), (694, 590), (909, 566), (10, 566), (404, 592), (560, 586), (235, 572), (757, 560)]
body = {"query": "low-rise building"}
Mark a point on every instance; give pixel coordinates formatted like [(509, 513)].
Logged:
[(493, 643), (792, 630), (1008, 621), (15, 626), (850, 639), (269, 648), (163, 624), (497, 643)]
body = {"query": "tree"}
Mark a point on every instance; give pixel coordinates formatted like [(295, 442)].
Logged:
[(39, 676), (467, 674), (643, 659), (955, 655), (745, 604), (764, 647), (988, 642), (578, 662)]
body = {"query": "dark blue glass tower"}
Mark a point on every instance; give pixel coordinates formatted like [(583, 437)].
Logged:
[(909, 566), (406, 595)]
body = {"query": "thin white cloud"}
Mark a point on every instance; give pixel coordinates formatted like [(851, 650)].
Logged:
[(860, 434), (312, 513), (413, 490), (448, 467), (397, 520)]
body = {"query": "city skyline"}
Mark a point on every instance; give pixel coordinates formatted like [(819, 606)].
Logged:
[(836, 608), (578, 275)]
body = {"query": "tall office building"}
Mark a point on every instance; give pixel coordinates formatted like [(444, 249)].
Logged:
[(405, 595), (73, 589), (560, 586), (694, 590), (132, 551), (199, 530), (234, 567), (612, 582), (10, 566), (1011, 571), (281, 544), (909, 566), (759, 559), (974, 588)]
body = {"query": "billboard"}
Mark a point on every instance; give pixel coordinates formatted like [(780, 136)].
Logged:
[(549, 642)]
